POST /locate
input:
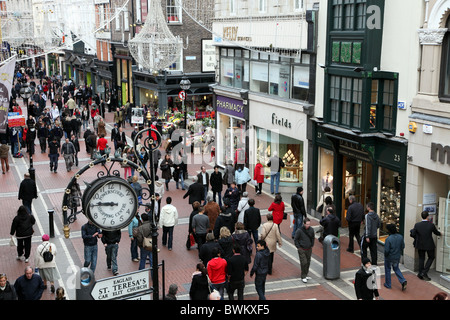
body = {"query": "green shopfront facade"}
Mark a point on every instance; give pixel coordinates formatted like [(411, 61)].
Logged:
[(372, 168), (354, 144)]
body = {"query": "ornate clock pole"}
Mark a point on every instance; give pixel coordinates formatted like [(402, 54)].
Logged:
[(109, 201)]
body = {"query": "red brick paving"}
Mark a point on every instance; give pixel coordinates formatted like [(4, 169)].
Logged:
[(179, 263)]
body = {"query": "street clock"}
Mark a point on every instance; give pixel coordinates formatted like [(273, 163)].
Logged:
[(110, 203)]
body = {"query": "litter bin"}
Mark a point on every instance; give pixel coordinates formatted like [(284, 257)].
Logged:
[(331, 257)]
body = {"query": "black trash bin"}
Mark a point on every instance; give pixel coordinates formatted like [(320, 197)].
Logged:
[(331, 257)]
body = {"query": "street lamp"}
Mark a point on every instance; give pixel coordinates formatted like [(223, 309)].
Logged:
[(25, 92), (185, 84)]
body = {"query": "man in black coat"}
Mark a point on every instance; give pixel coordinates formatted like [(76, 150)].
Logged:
[(252, 219), (27, 191), (330, 223), (355, 215), (298, 208), (195, 192), (203, 179), (422, 233)]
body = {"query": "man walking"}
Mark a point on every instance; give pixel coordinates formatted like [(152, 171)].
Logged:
[(68, 151), (111, 241), (168, 219), (237, 269), (275, 163), (90, 235), (27, 191), (393, 248), (53, 153), (252, 219), (200, 227), (355, 215), (422, 233), (261, 268), (369, 239), (203, 178), (298, 208), (304, 242)]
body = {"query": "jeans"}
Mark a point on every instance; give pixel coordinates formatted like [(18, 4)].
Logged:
[(274, 178), (219, 287), (254, 233), (260, 285), (27, 204), (144, 255), (53, 162), (387, 270), (167, 231), (133, 249), (90, 257), (298, 222), (220, 197), (205, 193), (181, 175), (111, 256)]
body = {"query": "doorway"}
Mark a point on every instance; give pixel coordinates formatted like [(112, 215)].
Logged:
[(357, 181)]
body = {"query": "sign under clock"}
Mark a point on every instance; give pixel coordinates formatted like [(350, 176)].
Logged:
[(110, 203)]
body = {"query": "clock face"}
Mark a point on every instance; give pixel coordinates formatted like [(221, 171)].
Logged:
[(110, 203)]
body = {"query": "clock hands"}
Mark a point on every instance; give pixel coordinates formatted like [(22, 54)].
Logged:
[(111, 204)]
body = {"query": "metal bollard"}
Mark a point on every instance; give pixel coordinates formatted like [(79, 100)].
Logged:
[(50, 223)]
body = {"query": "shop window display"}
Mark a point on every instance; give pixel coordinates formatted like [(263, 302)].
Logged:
[(231, 137), (389, 201), (289, 149)]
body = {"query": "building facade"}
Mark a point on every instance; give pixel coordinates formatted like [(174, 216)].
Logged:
[(360, 141), (265, 91), (159, 89), (428, 181)]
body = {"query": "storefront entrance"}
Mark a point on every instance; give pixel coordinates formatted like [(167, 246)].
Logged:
[(357, 181)]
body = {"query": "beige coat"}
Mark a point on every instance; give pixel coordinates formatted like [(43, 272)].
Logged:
[(39, 260), (271, 234), (101, 128)]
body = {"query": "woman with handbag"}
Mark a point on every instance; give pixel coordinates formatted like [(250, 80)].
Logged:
[(272, 236), (46, 262)]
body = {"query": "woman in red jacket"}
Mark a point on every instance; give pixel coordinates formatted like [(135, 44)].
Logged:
[(258, 176), (277, 207), (102, 144)]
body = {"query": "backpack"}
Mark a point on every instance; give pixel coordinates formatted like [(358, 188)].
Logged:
[(47, 255)]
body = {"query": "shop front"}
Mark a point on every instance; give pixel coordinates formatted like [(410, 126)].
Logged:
[(428, 186), (231, 133), (281, 129), (372, 168)]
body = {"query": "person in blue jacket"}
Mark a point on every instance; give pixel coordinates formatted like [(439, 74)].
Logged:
[(393, 248), (242, 176)]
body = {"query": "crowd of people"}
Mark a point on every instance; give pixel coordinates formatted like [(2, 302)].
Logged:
[(226, 227)]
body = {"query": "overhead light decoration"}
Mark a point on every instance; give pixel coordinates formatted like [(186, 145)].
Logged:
[(155, 47)]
